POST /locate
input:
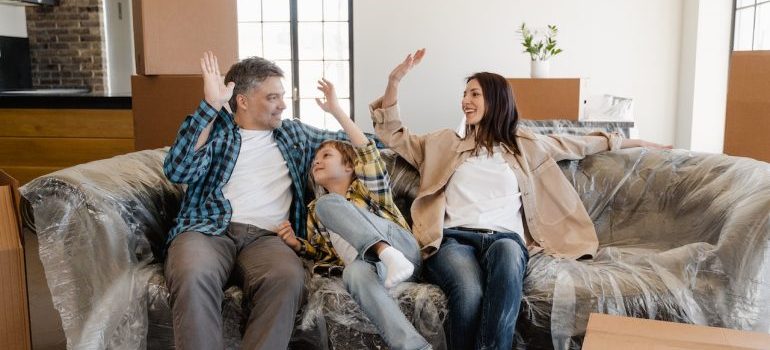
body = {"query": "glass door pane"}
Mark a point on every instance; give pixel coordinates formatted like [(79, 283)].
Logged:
[(762, 27), (744, 25)]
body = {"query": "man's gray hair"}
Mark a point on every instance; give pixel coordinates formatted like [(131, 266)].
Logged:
[(248, 74)]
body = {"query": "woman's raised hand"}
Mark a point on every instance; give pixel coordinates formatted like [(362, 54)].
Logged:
[(390, 96), (215, 92), (404, 67)]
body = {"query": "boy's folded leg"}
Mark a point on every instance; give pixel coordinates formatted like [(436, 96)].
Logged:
[(398, 267)]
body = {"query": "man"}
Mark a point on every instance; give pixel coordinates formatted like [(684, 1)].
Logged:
[(245, 171)]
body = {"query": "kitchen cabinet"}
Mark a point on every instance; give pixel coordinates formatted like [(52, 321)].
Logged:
[(37, 141)]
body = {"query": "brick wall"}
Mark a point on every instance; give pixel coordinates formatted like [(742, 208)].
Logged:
[(66, 43)]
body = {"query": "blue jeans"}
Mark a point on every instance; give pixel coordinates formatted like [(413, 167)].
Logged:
[(482, 275), (362, 229)]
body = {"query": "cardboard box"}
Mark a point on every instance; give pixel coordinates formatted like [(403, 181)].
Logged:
[(747, 123), (170, 36), (160, 104), (14, 313), (605, 332), (541, 99)]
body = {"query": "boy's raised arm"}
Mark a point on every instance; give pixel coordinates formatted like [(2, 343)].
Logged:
[(331, 105)]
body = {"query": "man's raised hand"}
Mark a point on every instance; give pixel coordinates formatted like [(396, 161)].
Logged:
[(215, 92)]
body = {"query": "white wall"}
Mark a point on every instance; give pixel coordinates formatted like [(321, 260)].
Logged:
[(13, 21), (704, 67), (627, 48)]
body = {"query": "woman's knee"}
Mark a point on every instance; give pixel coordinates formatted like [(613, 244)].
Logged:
[(504, 258), (506, 250)]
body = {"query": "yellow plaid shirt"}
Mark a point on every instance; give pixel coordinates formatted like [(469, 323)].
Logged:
[(370, 190)]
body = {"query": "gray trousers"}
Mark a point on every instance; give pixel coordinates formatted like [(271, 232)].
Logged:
[(197, 269)]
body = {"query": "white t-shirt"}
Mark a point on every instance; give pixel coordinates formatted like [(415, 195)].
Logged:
[(483, 193), (259, 189)]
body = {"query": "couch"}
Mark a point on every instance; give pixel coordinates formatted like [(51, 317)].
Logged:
[(683, 237)]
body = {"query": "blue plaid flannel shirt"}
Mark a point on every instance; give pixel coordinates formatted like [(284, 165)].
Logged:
[(206, 171)]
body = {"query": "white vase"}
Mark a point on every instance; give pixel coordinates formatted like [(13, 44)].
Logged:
[(539, 69)]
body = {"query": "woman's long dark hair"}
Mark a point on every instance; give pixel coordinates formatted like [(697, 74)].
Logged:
[(500, 120)]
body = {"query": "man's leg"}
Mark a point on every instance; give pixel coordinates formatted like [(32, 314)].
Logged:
[(197, 268), (362, 282), (273, 282)]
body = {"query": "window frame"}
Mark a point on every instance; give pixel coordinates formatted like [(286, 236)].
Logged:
[(754, 5), (294, 89)]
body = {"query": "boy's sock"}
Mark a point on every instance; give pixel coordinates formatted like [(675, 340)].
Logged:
[(399, 268)]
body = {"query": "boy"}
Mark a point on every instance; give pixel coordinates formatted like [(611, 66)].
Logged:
[(359, 226)]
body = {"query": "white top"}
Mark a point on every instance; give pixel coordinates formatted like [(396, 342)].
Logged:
[(483, 193), (259, 189)]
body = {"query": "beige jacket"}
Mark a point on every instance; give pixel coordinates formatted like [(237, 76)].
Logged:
[(555, 220)]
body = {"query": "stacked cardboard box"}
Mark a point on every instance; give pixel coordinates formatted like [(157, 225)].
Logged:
[(14, 312), (747, 123), (553, 98), (170, 37), (605, 332)]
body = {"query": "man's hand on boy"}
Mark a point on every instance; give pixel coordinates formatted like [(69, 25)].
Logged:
[(331, 104), (287, 235)]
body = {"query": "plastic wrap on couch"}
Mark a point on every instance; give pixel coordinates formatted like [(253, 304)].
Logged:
[(100, 225), (683, 237), (348, 328), (570, 127)]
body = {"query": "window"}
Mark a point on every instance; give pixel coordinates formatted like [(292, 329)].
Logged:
[(308, 39), (752, 25)]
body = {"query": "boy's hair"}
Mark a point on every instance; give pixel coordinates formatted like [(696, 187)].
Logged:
[(248, 74), (348, 159), (344, 147)]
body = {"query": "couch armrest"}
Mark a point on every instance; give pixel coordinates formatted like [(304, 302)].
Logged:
[(663, 200), (99, 225)]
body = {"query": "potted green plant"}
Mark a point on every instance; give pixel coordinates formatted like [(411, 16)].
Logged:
[(541, 50)]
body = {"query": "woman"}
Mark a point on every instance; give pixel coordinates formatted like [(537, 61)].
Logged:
[(489, 200)]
